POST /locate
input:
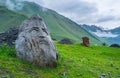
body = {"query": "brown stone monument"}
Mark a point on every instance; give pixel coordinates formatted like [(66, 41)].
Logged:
[(86, 41)]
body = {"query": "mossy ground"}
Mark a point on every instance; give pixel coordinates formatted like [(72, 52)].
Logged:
[(75, 61)]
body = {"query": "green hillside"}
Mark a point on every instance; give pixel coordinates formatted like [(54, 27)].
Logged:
[(75, 61), (59, 26), (9, 19)]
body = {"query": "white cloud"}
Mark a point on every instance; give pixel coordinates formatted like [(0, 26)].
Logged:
[(10, 4), (72, 6), (104, 13)]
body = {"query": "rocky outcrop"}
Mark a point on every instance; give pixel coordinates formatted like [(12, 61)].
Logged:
[(9, 36), (115, 45), (66, 41), (34, 43)]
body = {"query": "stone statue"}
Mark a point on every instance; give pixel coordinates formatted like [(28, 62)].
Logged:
[(34, 43)]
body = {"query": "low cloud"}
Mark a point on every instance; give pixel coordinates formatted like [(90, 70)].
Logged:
[(98, 12), (18, 5), (78, 7), (11, 5), (79, 11)]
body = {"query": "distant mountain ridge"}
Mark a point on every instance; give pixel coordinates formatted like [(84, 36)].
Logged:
[(112, 36), (59, 26), (115, 30), (92, 28)]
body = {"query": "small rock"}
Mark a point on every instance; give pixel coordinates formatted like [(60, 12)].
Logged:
[(4, 76), (66, 41), (102, 76), (117, 68)]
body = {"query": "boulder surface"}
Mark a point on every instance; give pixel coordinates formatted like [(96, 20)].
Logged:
[(34, 43)]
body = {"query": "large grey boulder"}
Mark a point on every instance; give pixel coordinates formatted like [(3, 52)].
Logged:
[(34, 43)]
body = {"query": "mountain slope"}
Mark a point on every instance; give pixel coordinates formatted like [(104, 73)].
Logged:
[(9, 19), (58, 25)]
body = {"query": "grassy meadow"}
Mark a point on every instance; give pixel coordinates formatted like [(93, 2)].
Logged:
[(75, 61)]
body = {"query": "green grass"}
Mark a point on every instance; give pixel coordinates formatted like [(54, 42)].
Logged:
[(75, 61)]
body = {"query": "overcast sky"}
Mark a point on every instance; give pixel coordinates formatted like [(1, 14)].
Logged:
[(105, 13)]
